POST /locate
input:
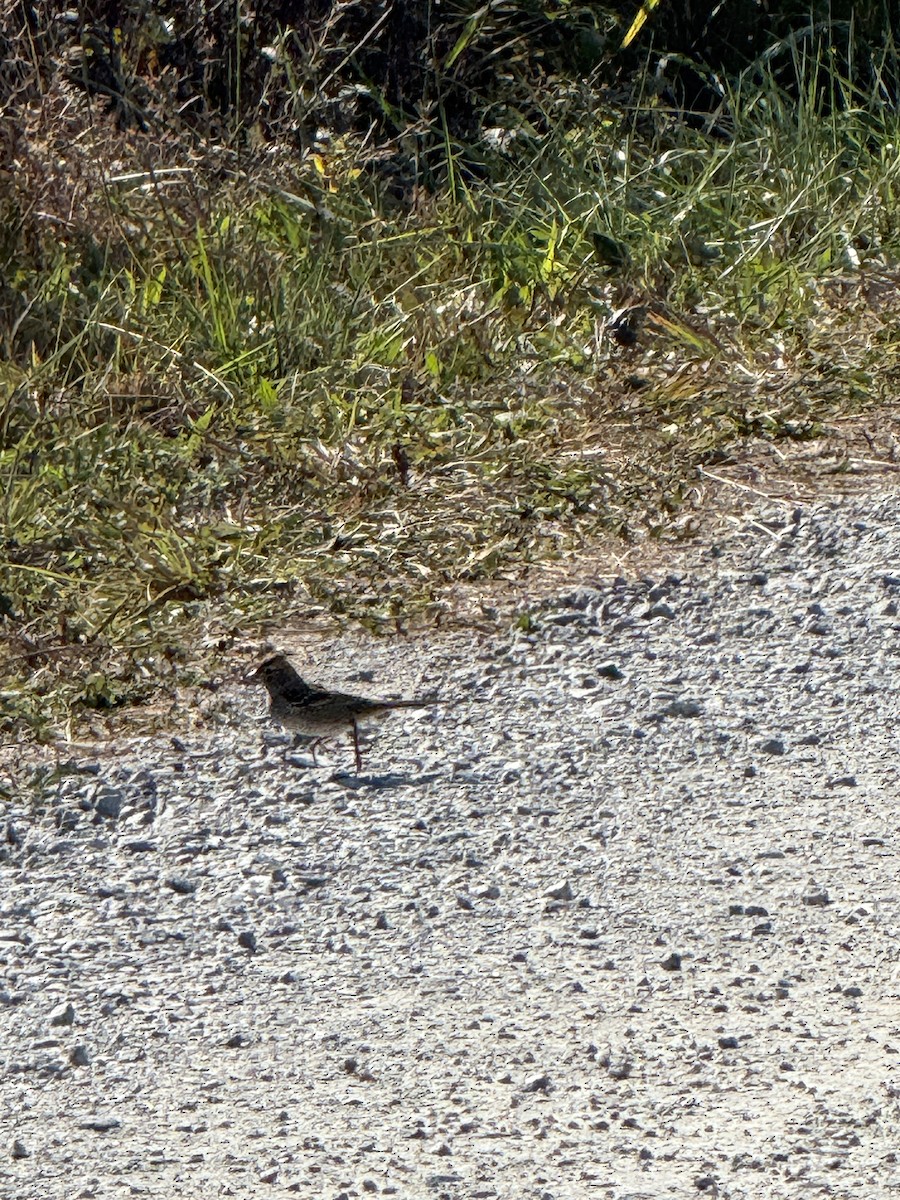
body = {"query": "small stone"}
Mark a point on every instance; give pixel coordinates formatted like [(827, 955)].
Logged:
[(108, 891), (610, 671), (618, 1066), (728, 1043), (181, 885), (108, 802), (543, 1083), (247, 941), (817, 899), (18, 1149), (561, 619), (63, 1014), (78, 1056), (581, 598), (562, 891), (773, 746), (300, 797), (63, 846), (101, 1124), (65, 819), (659, 610), (672, 962), (683, 708)]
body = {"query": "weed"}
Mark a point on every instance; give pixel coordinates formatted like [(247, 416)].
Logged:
[(236, 384)]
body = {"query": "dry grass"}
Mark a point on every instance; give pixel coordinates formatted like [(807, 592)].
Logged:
[(241, 385)]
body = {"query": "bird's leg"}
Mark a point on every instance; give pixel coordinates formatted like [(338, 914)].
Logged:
[(356, 745), (303, 739)]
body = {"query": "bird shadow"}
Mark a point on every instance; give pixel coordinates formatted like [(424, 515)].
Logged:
[(394, 779)]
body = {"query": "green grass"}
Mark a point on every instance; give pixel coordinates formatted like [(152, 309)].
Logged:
[(240, 386)]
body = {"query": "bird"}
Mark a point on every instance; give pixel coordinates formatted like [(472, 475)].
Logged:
[(316, 712)]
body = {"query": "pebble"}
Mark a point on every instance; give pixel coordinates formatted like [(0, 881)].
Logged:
[(247, 941), (63, 1014), (108, 802), (182, 885), (683, 708)]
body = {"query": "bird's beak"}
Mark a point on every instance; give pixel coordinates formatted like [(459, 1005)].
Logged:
[(253, 677)]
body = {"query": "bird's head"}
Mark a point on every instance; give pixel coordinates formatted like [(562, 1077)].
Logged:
[(276, 670)]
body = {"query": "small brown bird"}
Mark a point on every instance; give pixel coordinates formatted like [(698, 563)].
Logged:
[(315, 712)]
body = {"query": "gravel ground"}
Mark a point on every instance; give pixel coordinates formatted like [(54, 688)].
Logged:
[(620, 921)]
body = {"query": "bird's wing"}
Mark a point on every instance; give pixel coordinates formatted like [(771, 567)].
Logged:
[(296, 691), (319, 698)]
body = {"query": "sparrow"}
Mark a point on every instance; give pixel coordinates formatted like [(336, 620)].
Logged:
[(316, 712)]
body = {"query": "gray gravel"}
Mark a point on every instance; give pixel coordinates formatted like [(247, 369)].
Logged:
[(622, 921)]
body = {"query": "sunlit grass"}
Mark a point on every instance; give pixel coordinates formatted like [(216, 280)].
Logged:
[(225, 401)]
